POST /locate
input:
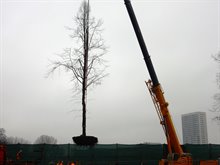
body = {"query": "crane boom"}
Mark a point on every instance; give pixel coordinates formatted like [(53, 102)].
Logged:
[(176, 156), (155, 88), (141, 42)]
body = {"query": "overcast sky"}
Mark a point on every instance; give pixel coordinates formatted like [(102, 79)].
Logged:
[(181, 37)]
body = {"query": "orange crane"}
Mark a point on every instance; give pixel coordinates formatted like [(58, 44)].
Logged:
[(175, 152)]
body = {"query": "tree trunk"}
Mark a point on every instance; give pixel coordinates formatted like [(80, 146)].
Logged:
[(84, 93), (84, 112), (85, 69)]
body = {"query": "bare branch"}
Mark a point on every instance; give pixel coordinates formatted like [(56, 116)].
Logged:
[(216, 57)]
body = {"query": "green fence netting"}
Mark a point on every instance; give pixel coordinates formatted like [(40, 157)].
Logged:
[(203, 151), (105, 154)]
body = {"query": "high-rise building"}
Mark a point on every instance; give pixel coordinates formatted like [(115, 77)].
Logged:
[(194, 128)]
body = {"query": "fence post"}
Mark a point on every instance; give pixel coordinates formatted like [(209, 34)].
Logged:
[(68, 152), (210, 151)]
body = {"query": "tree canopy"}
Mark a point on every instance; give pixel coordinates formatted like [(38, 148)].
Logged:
[(45, 139)]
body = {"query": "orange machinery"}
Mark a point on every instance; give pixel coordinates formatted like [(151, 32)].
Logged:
[(175, 152), (2, 154)]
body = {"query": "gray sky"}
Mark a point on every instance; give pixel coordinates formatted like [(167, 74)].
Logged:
[(180, 35)]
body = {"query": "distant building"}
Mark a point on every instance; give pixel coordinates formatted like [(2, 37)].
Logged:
[(194, 127)]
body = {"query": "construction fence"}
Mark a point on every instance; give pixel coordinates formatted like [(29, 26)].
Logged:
[(100, 154)]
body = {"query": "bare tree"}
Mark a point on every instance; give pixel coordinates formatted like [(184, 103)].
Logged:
[(216, 97), (85, 59), (45, 139), (16, 140), (3, 137)]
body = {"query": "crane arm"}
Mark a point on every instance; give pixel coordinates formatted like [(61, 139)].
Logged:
[(141, 42), (155, 89), (161, 107)]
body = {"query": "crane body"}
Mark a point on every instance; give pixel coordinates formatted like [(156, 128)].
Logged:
[(175, 151)]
